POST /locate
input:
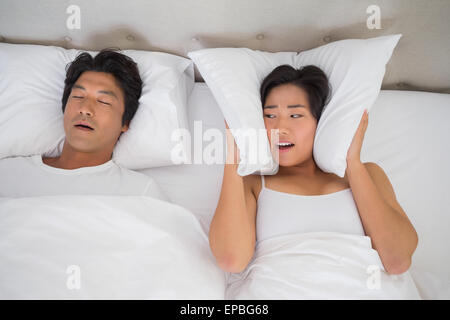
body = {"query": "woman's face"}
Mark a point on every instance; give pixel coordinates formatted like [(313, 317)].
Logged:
[(287, 109)]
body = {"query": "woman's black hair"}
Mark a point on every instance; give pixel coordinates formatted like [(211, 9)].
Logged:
[(310, 78), (122, 67)]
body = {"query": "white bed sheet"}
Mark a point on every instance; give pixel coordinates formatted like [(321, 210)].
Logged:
[(407, 136)]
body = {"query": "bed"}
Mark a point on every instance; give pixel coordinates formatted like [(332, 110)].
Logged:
[(407, 136)]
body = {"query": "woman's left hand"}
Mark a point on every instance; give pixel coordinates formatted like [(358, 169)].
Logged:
[(354, 151)]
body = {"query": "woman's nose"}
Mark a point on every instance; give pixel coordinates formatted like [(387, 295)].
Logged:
[(283, 127), (283, 130), (277, 132)]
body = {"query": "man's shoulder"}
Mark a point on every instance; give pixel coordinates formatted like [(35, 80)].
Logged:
[(135, 174), (152, 187), (17, 159)]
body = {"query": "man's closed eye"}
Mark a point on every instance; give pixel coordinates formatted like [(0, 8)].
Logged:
[(104, 102)]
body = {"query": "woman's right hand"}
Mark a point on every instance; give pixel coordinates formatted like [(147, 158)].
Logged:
[(232, 149)]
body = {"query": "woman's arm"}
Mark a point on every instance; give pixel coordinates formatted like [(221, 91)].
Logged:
[(392, 234), (232, 233), (383, 219)]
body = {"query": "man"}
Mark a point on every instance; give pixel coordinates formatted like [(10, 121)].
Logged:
[(100, 98)]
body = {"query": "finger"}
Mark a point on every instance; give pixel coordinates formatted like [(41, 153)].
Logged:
[(360, 126), (364, 120)]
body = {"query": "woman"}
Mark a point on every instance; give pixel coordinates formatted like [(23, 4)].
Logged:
[(301, 197)]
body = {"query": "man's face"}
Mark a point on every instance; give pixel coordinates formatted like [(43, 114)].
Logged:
[(96, 100)]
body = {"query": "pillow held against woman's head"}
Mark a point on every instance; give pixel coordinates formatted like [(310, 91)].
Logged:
[(355, 69)]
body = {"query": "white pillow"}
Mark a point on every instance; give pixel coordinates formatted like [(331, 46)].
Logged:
[(31, 117), (355, 69)]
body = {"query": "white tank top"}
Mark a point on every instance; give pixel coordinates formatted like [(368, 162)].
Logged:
[(281, 213)]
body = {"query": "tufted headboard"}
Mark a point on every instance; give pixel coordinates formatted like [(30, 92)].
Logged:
[(420, 60)]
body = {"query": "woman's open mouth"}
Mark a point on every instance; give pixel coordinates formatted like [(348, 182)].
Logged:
[(284, 146)]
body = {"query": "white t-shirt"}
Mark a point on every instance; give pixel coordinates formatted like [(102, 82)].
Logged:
[(30, 176)]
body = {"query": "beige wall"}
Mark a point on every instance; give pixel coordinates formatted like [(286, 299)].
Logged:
[(420, 61)]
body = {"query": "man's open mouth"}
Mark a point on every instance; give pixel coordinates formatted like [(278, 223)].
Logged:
[(83, 127)]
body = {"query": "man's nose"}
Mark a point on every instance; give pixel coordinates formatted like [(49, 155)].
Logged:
[(87, 107)]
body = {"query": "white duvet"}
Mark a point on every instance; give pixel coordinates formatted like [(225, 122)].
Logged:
[(104, 247), (320, 265), (131, 247)]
